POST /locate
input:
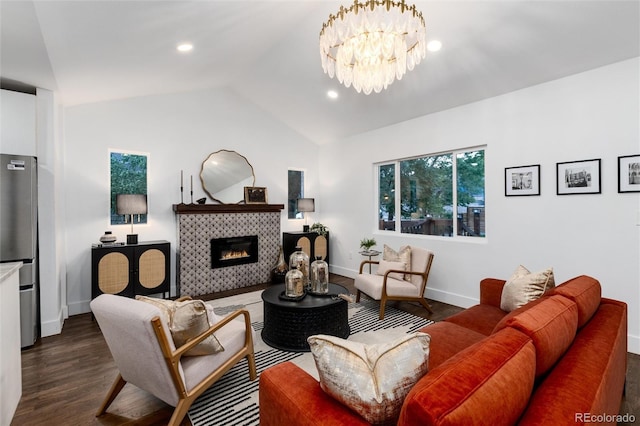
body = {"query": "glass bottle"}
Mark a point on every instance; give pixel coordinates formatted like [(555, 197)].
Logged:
[(300, 260), (280, 269), (294, 283), (319, 276)]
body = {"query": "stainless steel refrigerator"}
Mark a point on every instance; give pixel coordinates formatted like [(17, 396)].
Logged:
[(19, 234)]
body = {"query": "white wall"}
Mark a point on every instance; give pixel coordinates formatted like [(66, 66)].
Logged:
[(51, 192), (590, 115), (178, 131)]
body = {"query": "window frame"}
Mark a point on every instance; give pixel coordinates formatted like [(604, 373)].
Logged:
[(142, 219), (398, 195), (296, 214)]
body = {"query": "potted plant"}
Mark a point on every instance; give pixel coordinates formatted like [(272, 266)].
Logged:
[(319, 228), (367, 243)]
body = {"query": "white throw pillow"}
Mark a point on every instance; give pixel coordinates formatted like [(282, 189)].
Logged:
[(403, 255), (384, 266), (372, 380), (186, 320), (524, 286)]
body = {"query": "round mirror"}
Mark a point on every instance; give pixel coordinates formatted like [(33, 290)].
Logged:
[(225, 174)]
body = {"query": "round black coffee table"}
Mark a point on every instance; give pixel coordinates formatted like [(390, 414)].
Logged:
[(287, 324)]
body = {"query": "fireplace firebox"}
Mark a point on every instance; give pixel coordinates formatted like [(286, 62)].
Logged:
[(234, 251)]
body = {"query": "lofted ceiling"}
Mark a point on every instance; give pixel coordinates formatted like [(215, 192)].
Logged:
[(267, 51)]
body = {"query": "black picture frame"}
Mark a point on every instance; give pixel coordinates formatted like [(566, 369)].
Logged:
[(255, 195), (629, 173), (522, 181), (578, 177)]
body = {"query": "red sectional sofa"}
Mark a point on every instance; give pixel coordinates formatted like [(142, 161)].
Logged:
[(558, 360)]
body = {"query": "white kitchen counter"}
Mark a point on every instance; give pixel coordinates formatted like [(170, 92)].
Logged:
[(6, 269), (10, 361)]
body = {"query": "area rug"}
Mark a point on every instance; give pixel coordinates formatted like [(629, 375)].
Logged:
[(233, 400)]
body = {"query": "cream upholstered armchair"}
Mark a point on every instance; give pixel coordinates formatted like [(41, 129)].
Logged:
[(392, 282), (145, 354)]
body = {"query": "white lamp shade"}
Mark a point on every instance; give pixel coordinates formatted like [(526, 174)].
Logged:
[(131, 204), (306, 205)]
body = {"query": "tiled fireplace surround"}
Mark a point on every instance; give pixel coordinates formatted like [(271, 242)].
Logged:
[(198, 224)]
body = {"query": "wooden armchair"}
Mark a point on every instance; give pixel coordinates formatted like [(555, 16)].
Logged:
[(144, 352), (386, 287)]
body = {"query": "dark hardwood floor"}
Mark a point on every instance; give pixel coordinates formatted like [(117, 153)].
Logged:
[(65, 377)]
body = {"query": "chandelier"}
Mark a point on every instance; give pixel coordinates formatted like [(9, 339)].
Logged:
[(369, 45)]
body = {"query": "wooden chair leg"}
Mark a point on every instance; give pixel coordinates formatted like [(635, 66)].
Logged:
[(180, 411), (116, 387), (357, 296), (426, 304), (251, 359), (383, 303)]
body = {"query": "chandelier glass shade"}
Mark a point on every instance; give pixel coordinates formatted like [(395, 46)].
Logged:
[(369, 45)]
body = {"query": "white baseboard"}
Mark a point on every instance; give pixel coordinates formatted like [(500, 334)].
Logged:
[(79, 308), (53, 327), (633, 344)]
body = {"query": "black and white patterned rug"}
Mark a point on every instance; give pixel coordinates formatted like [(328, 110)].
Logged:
[(233, 400)]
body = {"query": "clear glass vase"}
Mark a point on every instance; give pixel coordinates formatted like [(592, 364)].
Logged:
[(300, 260), (294, 283), (319, 276)]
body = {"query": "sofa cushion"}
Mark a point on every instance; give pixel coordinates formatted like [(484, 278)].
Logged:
[(403, 255), (447, 339), (186, 320), (503, 322), (525, 286), (372, 380), (387, 265), (552, 325), (589, 379), (585, 292), (490, 381), (479, 318)]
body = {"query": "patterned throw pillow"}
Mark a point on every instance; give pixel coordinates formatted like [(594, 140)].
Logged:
[(524, 287), (186, 320), (372, 380), (403, 255)]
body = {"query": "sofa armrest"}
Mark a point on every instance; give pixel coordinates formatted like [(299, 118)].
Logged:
[(290, 396), (491, 291)]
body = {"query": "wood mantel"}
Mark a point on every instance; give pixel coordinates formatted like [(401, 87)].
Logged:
[(226, 208)]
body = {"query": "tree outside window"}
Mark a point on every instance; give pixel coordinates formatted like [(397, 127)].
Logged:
[(430, 187), (295, 191), (128, 176)]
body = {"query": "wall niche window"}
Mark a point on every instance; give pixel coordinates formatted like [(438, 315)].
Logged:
[(128, 176), (295, 191), (429, 188)]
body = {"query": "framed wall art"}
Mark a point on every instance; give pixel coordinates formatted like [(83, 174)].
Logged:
[(523, 180), (578, 177), (255, 195), (629, 173)]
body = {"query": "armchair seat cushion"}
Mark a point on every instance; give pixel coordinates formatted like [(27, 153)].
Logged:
[(372, 286), (197, 368)]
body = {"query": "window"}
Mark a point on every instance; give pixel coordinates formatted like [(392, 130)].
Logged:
[(429, 188), (128, 176), (296, 190)]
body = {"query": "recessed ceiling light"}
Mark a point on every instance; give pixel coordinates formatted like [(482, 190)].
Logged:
[(434, 45), (332, 94), (185, 47)]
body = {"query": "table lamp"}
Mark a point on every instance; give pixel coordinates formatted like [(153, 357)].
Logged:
[(131, 204), (306, 205)]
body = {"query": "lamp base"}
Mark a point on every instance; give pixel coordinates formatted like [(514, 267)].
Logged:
[(132, 238)]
